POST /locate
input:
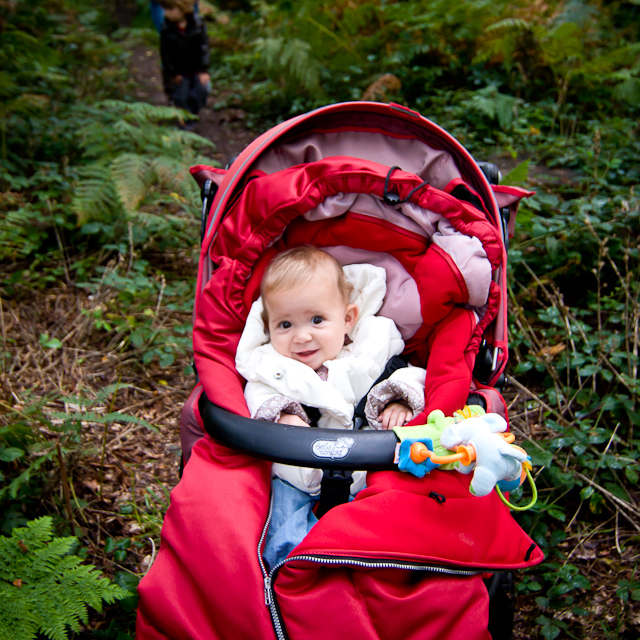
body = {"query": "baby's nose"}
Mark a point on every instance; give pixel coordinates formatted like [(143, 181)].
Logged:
[(302, 335)]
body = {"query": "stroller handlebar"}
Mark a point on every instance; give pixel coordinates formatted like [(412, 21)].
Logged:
[(301, 446)]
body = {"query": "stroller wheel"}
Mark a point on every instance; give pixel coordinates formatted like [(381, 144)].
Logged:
[(501, 587)]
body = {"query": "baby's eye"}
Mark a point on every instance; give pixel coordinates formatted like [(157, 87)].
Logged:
[(285, 324), (316, 319)]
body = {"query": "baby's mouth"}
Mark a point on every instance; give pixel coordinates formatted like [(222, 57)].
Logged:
[(306, 354)]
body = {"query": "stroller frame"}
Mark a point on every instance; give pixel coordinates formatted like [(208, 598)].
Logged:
[(374, 450)]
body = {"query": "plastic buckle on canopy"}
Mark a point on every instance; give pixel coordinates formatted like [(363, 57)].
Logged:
[(505, 214), (392, 198)]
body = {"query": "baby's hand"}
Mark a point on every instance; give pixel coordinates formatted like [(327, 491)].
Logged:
[(289, 418), (396, 414)]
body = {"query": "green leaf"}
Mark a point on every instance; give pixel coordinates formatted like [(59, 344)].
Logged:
[(127, 581), (596, 503), (166, 359), (540, 457), (587, 492), (550, 629), (49, 343), (617, 491), (120, 555), (518, 175), (10, 454), (558, 514), (632, 475)]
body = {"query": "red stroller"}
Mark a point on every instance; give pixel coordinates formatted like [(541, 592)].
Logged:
[(409, 558)]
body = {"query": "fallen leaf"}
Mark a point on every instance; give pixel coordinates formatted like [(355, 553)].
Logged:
[(552, 351)]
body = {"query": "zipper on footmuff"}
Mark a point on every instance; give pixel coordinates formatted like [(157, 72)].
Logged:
[(270, 596), (270, 599)]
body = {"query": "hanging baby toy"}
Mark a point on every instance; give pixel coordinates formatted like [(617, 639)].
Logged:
[(481, 446)]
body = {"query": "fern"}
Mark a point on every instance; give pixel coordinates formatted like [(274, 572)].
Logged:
[(33, 470), (23, 442), (494, 105), (628, 90), (142, 156), (510, 25), (171, 174), (142, 112), (43, 589), (108, 191), (377, 90), (291, 62), (95, 197), (563, 43), (504, 38), (130, 174), (101, 396), (22, 232)]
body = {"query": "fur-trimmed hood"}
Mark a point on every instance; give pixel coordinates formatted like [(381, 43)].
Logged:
[(374, 339)]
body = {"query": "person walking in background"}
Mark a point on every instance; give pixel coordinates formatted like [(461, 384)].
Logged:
[(184, 51)]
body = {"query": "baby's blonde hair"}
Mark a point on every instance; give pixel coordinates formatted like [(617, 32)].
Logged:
[(297, 266)]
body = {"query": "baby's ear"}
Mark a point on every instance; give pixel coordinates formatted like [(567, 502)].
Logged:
[(350, 316), (265, 321)]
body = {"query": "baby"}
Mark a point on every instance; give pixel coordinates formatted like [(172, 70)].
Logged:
[(312, 343)]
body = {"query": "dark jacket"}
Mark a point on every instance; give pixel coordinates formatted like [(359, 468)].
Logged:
[(184, 52)]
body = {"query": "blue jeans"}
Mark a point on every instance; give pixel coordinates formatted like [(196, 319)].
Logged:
[(291, 519)]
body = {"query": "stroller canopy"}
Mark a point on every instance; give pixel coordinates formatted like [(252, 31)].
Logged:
[(294, 186)]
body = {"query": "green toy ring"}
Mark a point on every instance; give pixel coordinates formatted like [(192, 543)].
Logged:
[(534, 499)]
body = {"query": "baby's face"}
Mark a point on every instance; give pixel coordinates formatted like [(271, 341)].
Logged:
[(309, 322)]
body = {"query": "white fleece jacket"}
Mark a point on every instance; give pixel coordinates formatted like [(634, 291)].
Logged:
[(374, 340)]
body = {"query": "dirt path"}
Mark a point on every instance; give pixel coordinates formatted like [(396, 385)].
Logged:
[(224, 127)]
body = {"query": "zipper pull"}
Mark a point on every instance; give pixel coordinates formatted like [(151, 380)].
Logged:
[(267, 591)]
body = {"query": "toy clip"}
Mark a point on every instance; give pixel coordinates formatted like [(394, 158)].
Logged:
[(526, 472), (465, 455)]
